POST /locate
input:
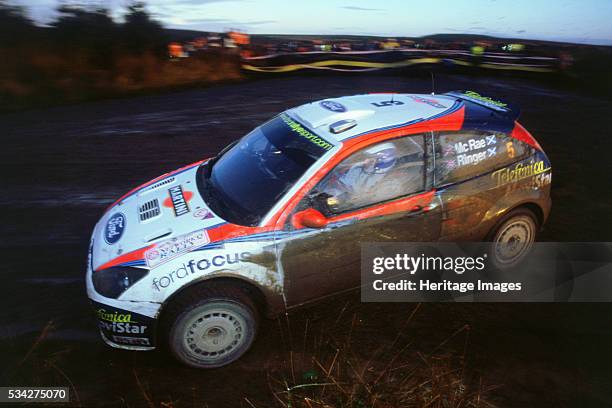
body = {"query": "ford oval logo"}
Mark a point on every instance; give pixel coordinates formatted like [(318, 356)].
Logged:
[(333, 106), (114, 228)]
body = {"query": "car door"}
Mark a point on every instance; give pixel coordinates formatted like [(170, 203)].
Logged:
[(379, 193)]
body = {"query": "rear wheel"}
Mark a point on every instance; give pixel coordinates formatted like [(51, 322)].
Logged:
[(513, 238), (212, 327)]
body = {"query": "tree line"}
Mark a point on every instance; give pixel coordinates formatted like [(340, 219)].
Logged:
[(84, 53), (80, 28)]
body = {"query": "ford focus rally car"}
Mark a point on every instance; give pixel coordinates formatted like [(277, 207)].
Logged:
[(193, 258)]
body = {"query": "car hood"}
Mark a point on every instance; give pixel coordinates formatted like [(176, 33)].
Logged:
[(169, 207)]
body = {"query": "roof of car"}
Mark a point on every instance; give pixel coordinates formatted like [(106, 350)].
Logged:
[(362, 114)]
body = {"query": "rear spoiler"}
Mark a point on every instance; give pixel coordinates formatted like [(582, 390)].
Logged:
[(505, 110)]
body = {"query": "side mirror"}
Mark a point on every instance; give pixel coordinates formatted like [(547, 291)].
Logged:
[(309, 218)]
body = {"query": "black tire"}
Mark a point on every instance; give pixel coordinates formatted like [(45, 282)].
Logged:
[(512, 238), (210, 326)]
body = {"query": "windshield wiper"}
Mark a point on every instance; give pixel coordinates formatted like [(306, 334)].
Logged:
[(211, 162), (215, 198)]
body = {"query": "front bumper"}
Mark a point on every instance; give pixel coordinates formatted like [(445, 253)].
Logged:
[(125, 329), (124, 346), (128, 325)]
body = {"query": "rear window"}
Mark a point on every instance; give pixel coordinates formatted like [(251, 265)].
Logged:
[(466, 154)]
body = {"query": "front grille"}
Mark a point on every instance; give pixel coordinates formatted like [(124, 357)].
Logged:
[(149, 210)]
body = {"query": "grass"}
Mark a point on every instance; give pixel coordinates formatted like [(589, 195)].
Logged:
[(334, 359), (40, 368), (339, 372)]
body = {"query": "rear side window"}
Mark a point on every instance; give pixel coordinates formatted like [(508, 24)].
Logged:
[(465, 154)]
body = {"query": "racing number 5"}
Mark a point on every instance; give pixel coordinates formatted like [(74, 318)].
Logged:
[(510, 150)]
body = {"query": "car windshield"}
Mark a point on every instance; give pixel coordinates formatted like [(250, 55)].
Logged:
[(244, 182)]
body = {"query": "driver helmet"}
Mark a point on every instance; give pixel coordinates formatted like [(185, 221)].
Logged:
[(383, 157)]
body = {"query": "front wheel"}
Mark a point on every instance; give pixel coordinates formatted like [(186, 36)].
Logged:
[(212, 327), (513, 238)]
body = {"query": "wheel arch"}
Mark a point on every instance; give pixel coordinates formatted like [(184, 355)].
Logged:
[(533, 207), (269, 302)]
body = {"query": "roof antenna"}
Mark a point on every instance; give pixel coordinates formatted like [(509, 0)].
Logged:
[(433, 83)]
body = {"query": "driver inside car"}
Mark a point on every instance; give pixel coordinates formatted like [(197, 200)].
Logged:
[(376, 174)]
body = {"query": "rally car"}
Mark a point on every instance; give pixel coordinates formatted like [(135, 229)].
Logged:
[(192, 259)]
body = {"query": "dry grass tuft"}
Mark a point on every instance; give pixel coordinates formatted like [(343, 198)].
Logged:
[(338, 374)]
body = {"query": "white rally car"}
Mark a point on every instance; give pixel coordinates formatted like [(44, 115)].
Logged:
[(194, 257)]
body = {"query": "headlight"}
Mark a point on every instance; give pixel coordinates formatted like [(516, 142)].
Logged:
[(112, 282)]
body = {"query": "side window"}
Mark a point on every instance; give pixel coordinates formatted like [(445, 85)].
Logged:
[(375, 174), (465, 154)]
